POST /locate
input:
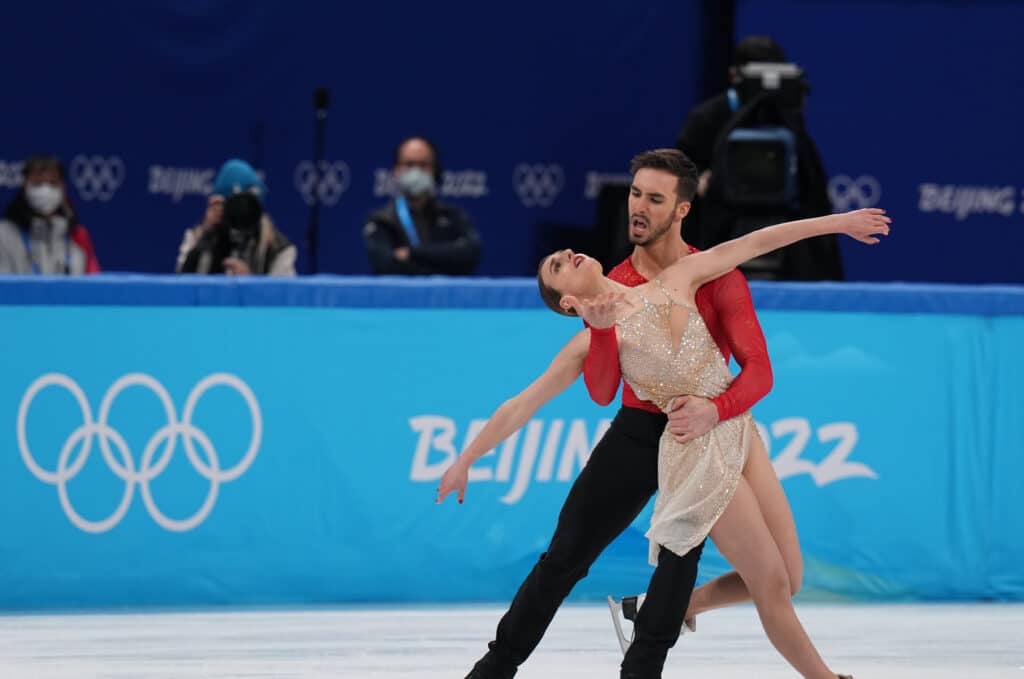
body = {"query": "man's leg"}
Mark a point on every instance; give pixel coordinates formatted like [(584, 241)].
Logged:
[(612, 488), (660, 619)]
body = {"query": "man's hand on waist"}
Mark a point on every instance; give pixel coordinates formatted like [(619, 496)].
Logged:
[(690, 417)]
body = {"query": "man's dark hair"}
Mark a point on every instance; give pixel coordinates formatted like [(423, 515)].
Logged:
[(757, 48), (551, 296), (433, 154), (675, 163), (42, 164)]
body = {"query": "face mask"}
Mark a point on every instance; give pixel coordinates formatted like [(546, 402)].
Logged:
[(44, 198), (415, 183)]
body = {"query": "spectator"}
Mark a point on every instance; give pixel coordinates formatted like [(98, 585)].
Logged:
[(714, 219), (40, 232), (236, 235), (416, 234)]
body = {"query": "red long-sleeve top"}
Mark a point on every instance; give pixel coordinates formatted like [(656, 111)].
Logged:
[(728, 312)]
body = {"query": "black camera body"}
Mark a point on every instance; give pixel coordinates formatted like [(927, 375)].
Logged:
[(758, 165), (236, 236), (243, 214)]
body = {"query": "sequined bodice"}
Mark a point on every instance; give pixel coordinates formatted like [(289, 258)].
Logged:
[(655, 369)]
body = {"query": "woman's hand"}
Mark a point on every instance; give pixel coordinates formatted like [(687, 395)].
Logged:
[(600, 312), (456, 478), (865, 225)]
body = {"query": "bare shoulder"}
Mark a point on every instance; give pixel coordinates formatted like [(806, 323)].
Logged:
[(684, 272), (733, 281), (645, 288), (734, 275)]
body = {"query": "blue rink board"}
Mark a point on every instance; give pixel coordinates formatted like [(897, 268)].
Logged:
[(184, 449)]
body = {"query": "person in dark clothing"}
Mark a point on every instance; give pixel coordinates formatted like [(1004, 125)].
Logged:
[(237, 236), (714, 219), (243, 242), (416, 234)]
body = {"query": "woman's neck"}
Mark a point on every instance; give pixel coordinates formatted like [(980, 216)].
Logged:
[(608, 285)]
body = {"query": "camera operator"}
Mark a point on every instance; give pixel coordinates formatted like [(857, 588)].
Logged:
[(243, 242), (758, 165)]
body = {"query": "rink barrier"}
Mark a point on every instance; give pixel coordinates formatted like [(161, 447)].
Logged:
[(482, 293), (179, 441)]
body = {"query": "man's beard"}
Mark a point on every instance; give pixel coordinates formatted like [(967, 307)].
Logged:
[(653, 233)]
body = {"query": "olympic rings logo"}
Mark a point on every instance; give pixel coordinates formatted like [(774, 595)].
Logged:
[(329, 181), (150, 468), (538, 185), (11, 174), (96, 177), (848, 193)]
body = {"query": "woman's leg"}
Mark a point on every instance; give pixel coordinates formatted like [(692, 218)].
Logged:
[(729, 589), (742, 536)]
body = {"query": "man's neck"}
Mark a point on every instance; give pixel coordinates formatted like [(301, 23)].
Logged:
[(650, 260)]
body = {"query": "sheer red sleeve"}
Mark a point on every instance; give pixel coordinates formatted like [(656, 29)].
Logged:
[(601, 371), (739, 324)]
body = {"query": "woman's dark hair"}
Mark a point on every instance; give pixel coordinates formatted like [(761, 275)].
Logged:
[(42, 164), (551, 296)]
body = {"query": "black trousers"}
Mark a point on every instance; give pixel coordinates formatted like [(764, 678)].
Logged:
[(612, 488)]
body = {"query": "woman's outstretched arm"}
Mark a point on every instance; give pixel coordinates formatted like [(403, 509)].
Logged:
[(515, 412), (697, 269)]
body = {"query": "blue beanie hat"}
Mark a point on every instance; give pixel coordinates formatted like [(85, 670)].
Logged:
[(236, 176)]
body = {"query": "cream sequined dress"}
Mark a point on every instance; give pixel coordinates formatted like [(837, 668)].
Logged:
[(696, 480)]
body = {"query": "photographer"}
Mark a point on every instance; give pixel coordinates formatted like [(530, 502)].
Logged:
[(237, 241), (243, 242), (758, 165)]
